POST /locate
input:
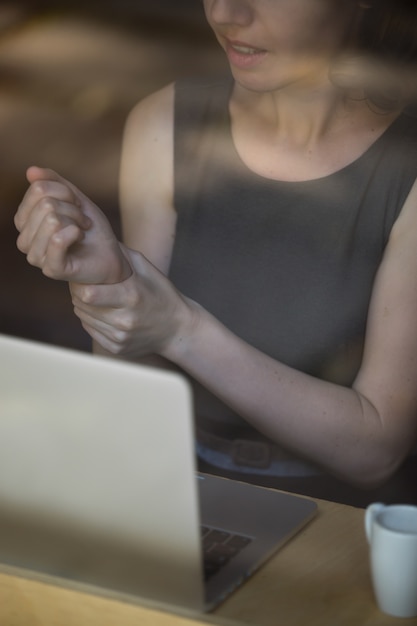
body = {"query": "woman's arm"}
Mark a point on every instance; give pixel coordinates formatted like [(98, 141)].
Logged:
[(146, 179), (146, 192), (362, 433)]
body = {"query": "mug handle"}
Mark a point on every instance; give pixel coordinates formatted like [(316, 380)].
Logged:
[(370, 514)]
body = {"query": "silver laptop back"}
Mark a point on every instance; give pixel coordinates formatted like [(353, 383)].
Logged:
[(97, 473)]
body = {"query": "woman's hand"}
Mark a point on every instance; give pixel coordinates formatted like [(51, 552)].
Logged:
[(142, 315), (64, 234)]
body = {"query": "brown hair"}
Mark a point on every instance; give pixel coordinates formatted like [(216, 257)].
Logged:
[(381, 54)]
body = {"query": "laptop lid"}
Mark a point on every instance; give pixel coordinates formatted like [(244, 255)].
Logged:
[(98, 482)]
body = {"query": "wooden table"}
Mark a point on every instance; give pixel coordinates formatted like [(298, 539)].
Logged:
[(320, 578)]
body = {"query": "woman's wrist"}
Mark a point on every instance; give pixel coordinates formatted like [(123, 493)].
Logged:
[(178, 347)]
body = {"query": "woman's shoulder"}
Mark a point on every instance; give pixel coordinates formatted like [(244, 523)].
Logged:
[(148, 137), (153, 111), (186, 97)]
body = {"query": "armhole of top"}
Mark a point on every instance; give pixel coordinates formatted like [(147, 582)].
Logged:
[(197, 106)]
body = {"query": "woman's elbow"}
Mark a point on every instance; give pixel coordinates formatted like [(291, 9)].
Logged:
[(375, 467)]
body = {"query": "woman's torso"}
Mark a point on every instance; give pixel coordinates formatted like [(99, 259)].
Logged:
[(287, 266)]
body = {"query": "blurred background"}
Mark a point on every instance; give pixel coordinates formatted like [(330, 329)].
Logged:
[(69, 74)]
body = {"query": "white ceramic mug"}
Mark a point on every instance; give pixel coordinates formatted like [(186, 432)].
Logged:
[(391, 531)]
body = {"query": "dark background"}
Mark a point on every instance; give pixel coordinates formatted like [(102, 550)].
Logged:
[(69, 74)]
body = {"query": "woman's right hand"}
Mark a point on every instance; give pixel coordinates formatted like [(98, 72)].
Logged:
[(65, 234)]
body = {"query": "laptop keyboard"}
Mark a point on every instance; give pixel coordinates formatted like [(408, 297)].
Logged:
[(219, 547)]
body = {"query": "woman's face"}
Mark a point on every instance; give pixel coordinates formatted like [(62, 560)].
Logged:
[(271, 44)]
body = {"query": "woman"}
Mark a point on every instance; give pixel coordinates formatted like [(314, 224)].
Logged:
[(282, 205)]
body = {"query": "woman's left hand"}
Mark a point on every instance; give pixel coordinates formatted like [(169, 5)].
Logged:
[(142, 315)]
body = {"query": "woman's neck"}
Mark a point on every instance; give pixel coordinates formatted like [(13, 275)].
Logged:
[(297, 135), (298, 116)]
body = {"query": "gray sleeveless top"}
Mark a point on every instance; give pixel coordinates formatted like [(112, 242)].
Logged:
[(287, 266)]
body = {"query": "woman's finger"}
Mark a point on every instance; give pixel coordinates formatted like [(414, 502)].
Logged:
[(100, 330), (58, 261), (90, 297), (101, 339), (35, 174), (38, 192), (48, 217), (100, 325)]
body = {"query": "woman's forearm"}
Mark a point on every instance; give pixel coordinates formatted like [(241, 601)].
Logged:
[(355, 433), (334, 426)]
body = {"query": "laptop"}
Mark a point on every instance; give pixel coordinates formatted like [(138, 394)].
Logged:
[(99, 489)]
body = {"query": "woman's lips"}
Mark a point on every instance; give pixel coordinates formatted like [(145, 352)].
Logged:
[(243, 55)]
